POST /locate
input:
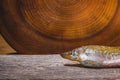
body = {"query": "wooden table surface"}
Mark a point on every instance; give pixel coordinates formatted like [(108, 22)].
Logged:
[(49, 67)]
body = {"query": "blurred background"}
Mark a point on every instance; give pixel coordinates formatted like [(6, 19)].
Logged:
[(4, 47)]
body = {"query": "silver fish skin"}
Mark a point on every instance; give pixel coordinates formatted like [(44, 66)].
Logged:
[(92, 57)]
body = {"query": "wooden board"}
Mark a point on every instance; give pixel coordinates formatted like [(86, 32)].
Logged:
[(50, 67), (4, 47), (52, 27)]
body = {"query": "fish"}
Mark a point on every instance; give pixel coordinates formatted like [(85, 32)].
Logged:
[(95, 56)]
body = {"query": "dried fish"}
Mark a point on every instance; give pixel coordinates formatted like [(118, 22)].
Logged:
[(95, 56)]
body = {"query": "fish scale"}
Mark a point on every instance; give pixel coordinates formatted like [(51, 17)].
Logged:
[(95, 56)]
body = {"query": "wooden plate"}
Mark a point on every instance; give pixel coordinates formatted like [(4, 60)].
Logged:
[(55, 26)]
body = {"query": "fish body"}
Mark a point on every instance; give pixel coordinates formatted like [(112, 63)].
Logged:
[(95, 56)]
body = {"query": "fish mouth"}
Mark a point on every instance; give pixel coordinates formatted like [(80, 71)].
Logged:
[(67, 56)]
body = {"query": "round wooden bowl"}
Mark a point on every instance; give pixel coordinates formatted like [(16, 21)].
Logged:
[(56, 26)]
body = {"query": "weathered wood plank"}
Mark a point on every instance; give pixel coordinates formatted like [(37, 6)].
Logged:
[(4, 47), (50, 67)]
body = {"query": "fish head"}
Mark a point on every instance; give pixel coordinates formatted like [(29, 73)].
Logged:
[(71, 55)]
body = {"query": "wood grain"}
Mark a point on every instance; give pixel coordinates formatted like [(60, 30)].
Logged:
[(4, 47), (55, 26), (50, 67)]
